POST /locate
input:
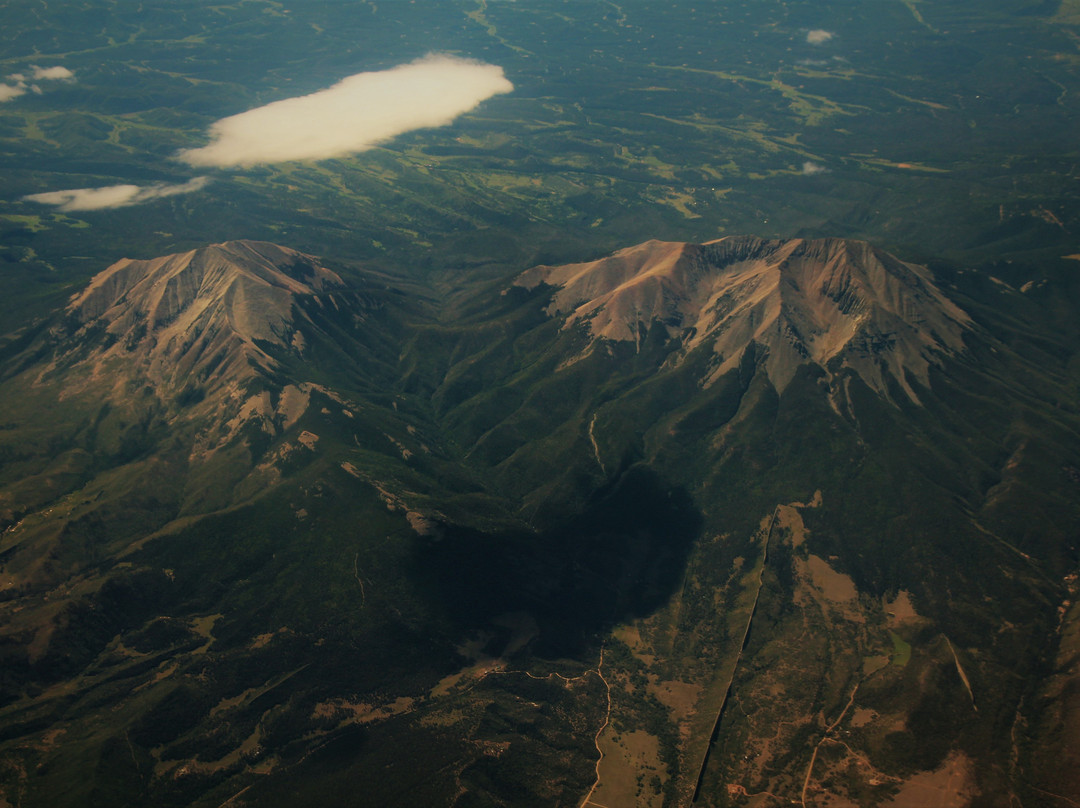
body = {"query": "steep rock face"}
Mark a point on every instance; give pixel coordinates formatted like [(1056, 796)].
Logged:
[(201, 314), (832, 302), (193, 344)]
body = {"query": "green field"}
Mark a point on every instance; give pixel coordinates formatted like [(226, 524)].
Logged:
[(901, 654)]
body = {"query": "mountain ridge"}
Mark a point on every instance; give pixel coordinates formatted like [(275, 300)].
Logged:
[(818, 300), (201, 313)]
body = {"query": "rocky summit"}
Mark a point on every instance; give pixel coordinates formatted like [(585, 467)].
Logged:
[(200, 314), (831, 302)]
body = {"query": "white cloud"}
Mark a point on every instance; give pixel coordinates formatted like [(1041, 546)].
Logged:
[(56, 73), (818, 36), (810, 168), (114, 196), (8, 91), (20, 86), (353, 115)]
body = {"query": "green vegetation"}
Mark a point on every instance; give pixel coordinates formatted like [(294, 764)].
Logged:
[(901, 654)]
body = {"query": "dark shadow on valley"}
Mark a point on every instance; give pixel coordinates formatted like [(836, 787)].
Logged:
[(621, 557)]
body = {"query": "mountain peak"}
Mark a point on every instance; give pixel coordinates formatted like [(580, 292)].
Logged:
[(832, 302), (202, 311)]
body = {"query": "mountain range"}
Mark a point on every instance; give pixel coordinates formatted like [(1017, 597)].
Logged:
[(746, 522)]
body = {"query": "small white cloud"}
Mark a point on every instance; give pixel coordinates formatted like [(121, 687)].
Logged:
[(7, 91), (810, 168), (353, 115), (56, 73), (114, 196), (818, 36), (19, 84)]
